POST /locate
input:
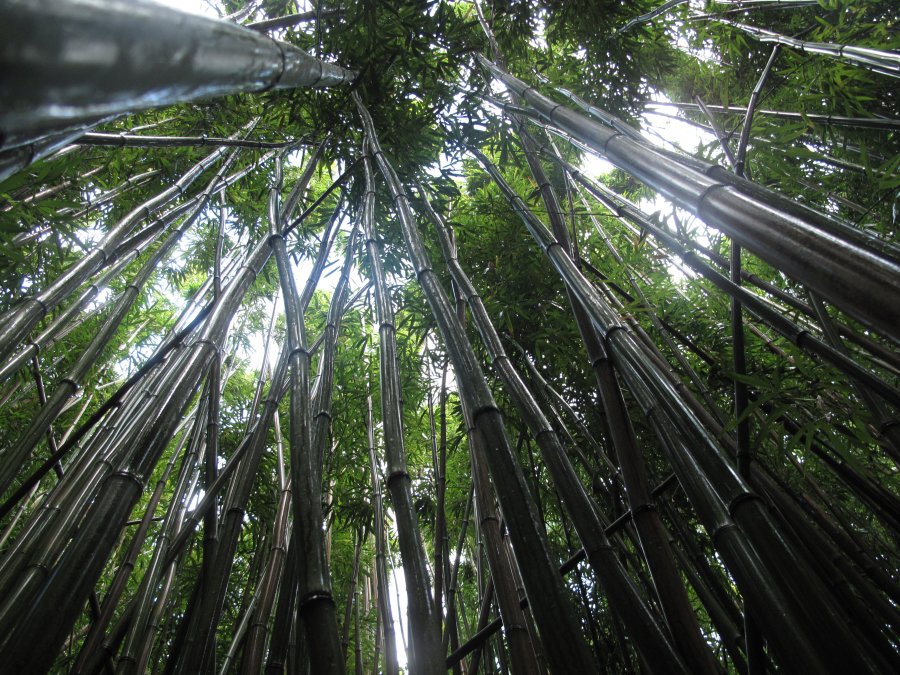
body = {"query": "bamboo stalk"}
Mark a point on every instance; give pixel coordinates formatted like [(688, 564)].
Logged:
[(649, 16), (14, 457), (424, 621), (564, 644), (876, 60), (651, 533), (752, 635), (384, 600), (671, 418), (624, 599), (291, 20), (786, 236), (830, 120), (18, 321), (783, 325), (133, 141), (149, 41)]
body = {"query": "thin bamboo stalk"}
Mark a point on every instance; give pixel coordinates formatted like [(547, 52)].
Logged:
[(113, 402), (649, 16), (117, 587), (424, 622), (283, 625), (315, 604), (352, 599), (384, 600), (876, 60), (829, 120), (558, 626), (133, 141), (752, 635), (291, 20), (483, 634), (254, 649), (18, 321), (41, 195)]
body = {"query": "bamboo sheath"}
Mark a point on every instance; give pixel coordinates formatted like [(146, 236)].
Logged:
[(73, 61), (861, 281)]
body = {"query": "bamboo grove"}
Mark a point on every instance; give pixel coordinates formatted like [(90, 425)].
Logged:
[(434, 336)]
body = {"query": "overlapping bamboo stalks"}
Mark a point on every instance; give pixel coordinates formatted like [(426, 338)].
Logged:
[(817, 598)]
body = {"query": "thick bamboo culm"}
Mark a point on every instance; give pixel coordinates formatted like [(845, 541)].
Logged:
[(142, 56), (425, 633), (848, 274), (56, 89)]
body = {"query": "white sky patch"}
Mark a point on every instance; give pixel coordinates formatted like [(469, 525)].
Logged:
[(191, 6), (397, 594)]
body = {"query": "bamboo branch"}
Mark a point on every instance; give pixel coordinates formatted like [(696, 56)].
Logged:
[(132, 141)]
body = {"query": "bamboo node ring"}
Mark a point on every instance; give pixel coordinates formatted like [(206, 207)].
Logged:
[(705, 194), (299, 350), (740, 499), (278, 76), (208, 342), (128, 475)]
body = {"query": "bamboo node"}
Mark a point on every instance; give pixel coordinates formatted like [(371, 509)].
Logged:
[(129, 476), (740, 499), (705, 193)]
